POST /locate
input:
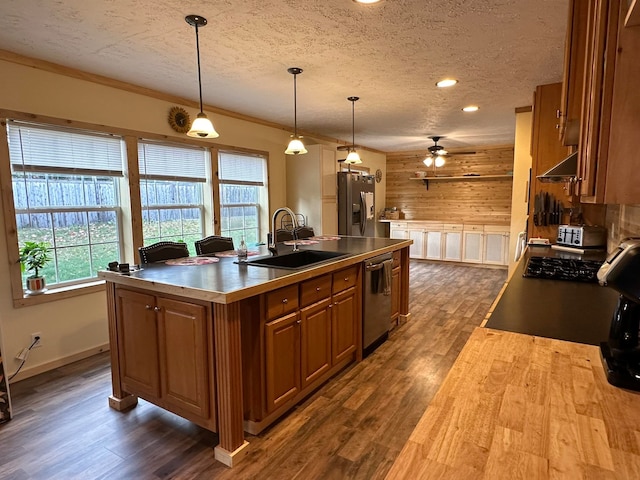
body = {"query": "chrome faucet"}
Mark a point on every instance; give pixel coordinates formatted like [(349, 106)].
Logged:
[(272, 244)]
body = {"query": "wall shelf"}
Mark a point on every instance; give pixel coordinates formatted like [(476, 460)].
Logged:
[(461, 177)]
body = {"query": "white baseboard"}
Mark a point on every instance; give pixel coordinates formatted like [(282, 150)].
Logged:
[(45, 367)]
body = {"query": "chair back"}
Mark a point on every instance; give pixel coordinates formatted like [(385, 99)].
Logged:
[(213, 244), (282, 235), (303, 232), (162, 251)]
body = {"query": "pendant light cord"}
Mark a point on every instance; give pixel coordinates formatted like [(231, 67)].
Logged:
[(353, 124), (295, 106), (199, 78)]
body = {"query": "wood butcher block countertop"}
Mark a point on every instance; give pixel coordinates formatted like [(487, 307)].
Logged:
[(518, 406)]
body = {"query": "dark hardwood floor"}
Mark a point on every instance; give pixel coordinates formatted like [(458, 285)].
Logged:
[(353, 427)]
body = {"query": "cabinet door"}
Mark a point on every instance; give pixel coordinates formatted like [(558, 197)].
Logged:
[(472, 247), (452, 246), (495, 248), (434, 245), (343, 325), (417, 249), (184, 356), (395, 295), (137, 331), (400, 233), (282, 350), (315, 333)]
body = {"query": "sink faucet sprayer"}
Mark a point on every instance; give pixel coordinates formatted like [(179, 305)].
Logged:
[(272, 244)]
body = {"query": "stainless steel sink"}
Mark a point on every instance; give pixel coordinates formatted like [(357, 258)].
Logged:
[(296, 260)]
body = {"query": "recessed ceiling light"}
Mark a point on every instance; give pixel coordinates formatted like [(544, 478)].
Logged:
[(366, 1), (471, 108), (447, 82)]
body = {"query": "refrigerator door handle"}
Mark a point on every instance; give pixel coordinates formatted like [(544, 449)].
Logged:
[(363, 214)]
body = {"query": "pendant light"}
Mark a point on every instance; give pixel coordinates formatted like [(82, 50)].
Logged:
[(201, 126), (296, 147), (353, 157)]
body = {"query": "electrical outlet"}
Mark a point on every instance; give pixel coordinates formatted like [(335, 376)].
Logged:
[(33, 339)]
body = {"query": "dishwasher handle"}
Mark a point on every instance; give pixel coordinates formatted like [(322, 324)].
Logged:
[(373, 267)]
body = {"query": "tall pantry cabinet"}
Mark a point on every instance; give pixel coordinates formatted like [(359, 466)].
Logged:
[(312, 188)]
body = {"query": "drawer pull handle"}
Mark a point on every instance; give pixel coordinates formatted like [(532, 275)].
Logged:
[(346, 279), (284, 300), (298, 322), (148, 307), (156, 309), (317, 289)]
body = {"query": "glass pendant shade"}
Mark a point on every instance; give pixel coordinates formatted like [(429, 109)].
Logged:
[(202, 128), (440, 161), (353, 158), (428, 161), (296, 147)]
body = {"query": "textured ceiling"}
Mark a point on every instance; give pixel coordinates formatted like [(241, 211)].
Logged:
[(389, 54)]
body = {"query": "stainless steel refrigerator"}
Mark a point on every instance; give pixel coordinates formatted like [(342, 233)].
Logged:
[(356, 204)]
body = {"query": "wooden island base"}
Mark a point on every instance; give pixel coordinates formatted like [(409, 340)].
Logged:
[(521, 406)]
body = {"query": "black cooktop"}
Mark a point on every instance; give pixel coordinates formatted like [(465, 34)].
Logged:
[(573, 269)]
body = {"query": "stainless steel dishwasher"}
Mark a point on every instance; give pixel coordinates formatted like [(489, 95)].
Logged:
[(376, 302)]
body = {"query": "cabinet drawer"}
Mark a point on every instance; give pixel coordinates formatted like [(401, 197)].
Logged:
[(397, 224), (345, 278), (282, 301), (396, 258), (315, 290), (452, 227)]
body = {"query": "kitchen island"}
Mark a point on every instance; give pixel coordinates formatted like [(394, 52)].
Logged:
[(232, 347)]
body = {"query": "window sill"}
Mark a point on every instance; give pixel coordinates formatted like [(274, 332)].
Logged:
[(54, 294)]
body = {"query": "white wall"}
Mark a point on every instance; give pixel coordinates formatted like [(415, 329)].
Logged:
[(77, 327), (521, 171)]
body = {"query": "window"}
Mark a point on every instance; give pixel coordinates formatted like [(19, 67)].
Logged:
[(66, 192), (171, 191), (243, 195)]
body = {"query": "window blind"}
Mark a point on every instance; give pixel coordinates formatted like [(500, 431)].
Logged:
[(50, 149), (169, 162), (234, 167)]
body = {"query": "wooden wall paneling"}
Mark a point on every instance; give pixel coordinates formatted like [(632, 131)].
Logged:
[(472, 201)]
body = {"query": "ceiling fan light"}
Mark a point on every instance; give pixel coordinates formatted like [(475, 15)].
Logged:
[(440, 161), (353, 158), (471, 108), (295, 147), (202, 128), (428, 161), (447, 82)]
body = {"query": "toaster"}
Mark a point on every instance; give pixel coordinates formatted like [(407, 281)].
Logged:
[(582, 236)]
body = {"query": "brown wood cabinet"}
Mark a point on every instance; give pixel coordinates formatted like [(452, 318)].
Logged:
[(610, 115), (164, 353), (395, 289), (315, 337), (282, 360), (546, 151), (574, 73), (310, 332)]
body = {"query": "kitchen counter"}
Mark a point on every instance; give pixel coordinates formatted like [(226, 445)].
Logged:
[(191, 338), (560, 309), (521, 406), (227, 282)]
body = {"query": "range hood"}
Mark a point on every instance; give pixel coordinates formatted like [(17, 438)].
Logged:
[(563, 172)]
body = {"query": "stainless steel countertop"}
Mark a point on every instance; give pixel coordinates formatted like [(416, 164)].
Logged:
[(227, 282)]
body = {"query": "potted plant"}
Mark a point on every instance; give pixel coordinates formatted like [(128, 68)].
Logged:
[(33, 257)]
